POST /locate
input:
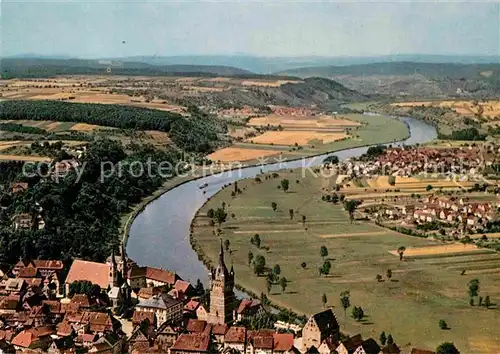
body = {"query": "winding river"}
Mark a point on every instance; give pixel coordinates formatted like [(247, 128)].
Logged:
[(159, 236)]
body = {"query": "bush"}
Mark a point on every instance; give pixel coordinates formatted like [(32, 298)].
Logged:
[(443, 324)]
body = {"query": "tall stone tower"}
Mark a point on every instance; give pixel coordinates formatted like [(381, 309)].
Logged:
[(113, 271), (221, 292)]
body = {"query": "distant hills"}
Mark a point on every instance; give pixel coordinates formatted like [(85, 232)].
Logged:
[(45, 67), (399, 75)]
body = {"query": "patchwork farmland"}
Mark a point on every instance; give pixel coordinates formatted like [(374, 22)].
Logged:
[(428, 285)]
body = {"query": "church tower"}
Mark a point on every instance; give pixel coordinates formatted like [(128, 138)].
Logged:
[(113, 271), (221, 292)]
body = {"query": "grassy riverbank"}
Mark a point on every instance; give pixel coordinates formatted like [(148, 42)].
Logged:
[(421, 292)]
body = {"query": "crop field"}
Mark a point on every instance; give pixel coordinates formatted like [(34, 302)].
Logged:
[(425, 287), (369, 130), (489, 109), (412, 184), (299, 137), (312, 122), (239, 154)]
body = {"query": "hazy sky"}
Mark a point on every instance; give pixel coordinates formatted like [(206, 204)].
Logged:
[(268, 28)]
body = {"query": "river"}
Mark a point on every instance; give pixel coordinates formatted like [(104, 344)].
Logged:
[(159, 236)]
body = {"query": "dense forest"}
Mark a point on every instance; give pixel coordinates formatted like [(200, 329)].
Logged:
[(81, 215), (196, 134), (19, 128)]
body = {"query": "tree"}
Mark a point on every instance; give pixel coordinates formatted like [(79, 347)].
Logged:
[(428, 188), (303, 265), (259, 264), (487, 302), (358, 313), (199, 289), (250, 257), (401, 251), (290, 211), (256, 240), (323, 251), (345, 300), (274, 206), (277, 269), (480, 301), (324, 299), (390, 340), (389, 274), (471, 301), (210, 213), (351, 206), (383, 338), (283, 284), (379, 278), (473, 287), (226, 245), (285, 184), (269, 284), (443, 324), (326, 268), (220, 216), (303, 220), (447, 348)]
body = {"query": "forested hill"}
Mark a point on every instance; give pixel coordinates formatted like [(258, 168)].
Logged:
[(37, 67), (324, 93), (199, 133), (398, 68), (410, 78)]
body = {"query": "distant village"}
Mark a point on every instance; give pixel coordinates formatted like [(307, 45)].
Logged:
[(120, 307)]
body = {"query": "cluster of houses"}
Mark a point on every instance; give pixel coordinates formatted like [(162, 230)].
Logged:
[(41, 312), (453, 211), (409, 161)]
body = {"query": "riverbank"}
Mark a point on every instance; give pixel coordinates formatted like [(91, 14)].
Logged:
[(129, 218)]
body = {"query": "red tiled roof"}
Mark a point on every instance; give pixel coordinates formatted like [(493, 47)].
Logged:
[(192, 343), (421, 351), (82, 300), (140, 316), (64, 329), (161, 275), (283, 342), (247, 304), (27, 337), (182, 285), (196, 326), (192, 305), (97, 273), (235, 335), (263, 342), (48, 264), (219, 329), (28, 272)]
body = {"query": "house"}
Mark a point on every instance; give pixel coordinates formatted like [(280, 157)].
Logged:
[(235, 338), (183, 288), (248, 308), (328, 346), (166, 336), (196, 326), (62, 346), (139, 340), (191, 343), (368, 346), (218, 332), (164, 307), (141, 277), (191, 307), (47, 267), (33, 338), (319, 327), (13, 286), (201, 313), (284, 343), (109, 343), (22, 221), (140, 316), (390, 349), (349, 345), (18, 187), (96, 273), (260, 344)]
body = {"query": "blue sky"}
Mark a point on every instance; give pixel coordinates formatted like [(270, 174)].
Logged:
[(90, 29)]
